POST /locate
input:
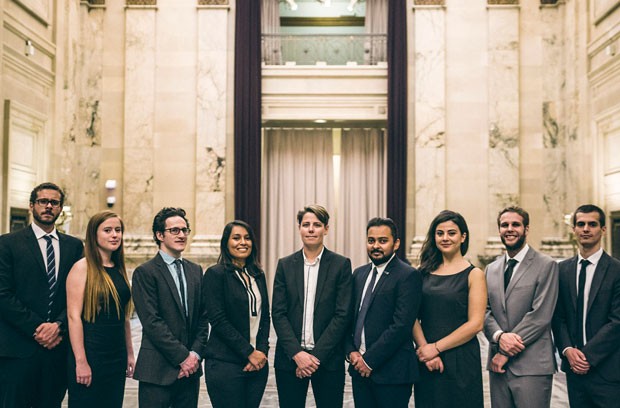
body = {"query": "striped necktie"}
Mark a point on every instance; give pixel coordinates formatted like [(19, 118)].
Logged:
[(51, 273)]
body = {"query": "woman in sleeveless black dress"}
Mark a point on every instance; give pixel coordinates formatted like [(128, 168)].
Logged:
[(98, 308), (454, 298)]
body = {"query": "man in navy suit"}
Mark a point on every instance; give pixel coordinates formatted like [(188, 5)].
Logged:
[(586, 323), (34, 263), (310, 313), (167, 295), (386, 299)]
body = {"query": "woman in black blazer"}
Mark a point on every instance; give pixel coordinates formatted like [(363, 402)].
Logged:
[(235, 292)]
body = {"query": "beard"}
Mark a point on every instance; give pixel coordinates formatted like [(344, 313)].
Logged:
[(379, 261), (517, 245), (42, 221)]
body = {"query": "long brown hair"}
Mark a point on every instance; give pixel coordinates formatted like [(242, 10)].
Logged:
[(99, 285)]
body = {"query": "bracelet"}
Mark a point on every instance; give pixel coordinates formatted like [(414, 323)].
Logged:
[(437, 348), (503, 353), (500, 336)]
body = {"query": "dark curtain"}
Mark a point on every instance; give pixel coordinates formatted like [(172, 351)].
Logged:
[(397, 118), (248, 113)]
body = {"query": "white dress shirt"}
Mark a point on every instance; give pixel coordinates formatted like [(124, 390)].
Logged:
[(39, 233), (311, 275), (594, 260)]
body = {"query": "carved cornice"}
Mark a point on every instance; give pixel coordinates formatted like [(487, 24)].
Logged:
[(213, 2), (141, 2), (429, 2)]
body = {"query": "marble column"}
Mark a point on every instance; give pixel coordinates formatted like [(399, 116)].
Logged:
[(138, 160), (80, 152), (503, 119), (212, 127), (559, 115), (429, 118)]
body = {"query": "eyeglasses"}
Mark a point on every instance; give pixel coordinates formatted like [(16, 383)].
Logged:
[(177, 231), (43, 202)]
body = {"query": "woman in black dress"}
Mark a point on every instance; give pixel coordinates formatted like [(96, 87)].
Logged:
[(98, 308), (454, 298), (238, 308)]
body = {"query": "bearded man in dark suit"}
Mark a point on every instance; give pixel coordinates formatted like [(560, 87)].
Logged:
[(34, 263)]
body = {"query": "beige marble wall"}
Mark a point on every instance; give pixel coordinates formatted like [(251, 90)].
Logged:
[(429, 118)]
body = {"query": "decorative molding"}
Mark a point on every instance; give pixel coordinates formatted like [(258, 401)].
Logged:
[(343, 21), (213, 2), (141, 2), (39, 9), (429, 2), (93, 4), (504, 2), (549, 2)]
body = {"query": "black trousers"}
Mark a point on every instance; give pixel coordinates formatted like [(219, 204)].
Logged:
[(39, 381), (182, 393), (368, 394), (229, 386), (592, 391), (327, 386)]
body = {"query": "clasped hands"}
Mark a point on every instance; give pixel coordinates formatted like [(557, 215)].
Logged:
[(256, 361), (307, 364), (577, 360), (510, 344), (429, 355), (189, 366), (48, 335), (358, 363)]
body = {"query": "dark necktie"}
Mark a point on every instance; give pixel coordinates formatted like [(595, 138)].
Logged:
[(508, 272), (361, 316), (177, 266), (50, 262), (581, 300)]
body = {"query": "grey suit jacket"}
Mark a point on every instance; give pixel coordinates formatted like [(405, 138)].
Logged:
[(167, 334), (525, 309)]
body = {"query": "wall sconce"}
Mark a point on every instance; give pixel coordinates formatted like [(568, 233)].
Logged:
[(29, 49), (110, 186)]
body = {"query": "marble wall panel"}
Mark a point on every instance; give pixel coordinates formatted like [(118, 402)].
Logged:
[(140, 29), (82, 134), (503, 116), (429, 118), (212, 124)]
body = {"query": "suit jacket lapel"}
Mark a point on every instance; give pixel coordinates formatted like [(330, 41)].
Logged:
[(382, 279), (33, 244), (322, 277), (163, 269), (572, 281), (298, 269), (362, 281), (521, 271), (190, 291), (597, 280)]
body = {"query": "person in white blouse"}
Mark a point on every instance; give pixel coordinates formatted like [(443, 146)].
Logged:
[(235, 292)]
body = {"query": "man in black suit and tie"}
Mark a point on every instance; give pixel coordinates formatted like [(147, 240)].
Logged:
[(586, 323), (34, 263), (310, 314), (386, 299), (167, 296)]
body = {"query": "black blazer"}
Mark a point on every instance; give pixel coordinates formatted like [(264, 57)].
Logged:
[(389, 322), (602, 349), (331, 309), (24, 290), (167, 335), (228, 309)]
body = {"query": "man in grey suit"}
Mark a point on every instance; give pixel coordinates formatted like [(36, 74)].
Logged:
[(167, 295), (523, 290), (586, 324)]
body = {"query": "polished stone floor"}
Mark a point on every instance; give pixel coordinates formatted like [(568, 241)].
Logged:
[(270, 399)]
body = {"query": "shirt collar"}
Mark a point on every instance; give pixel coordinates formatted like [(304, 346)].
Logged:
[(169, 259), (317, 260), (39, 233), (520, 256), (594, 258), (381, 268)]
